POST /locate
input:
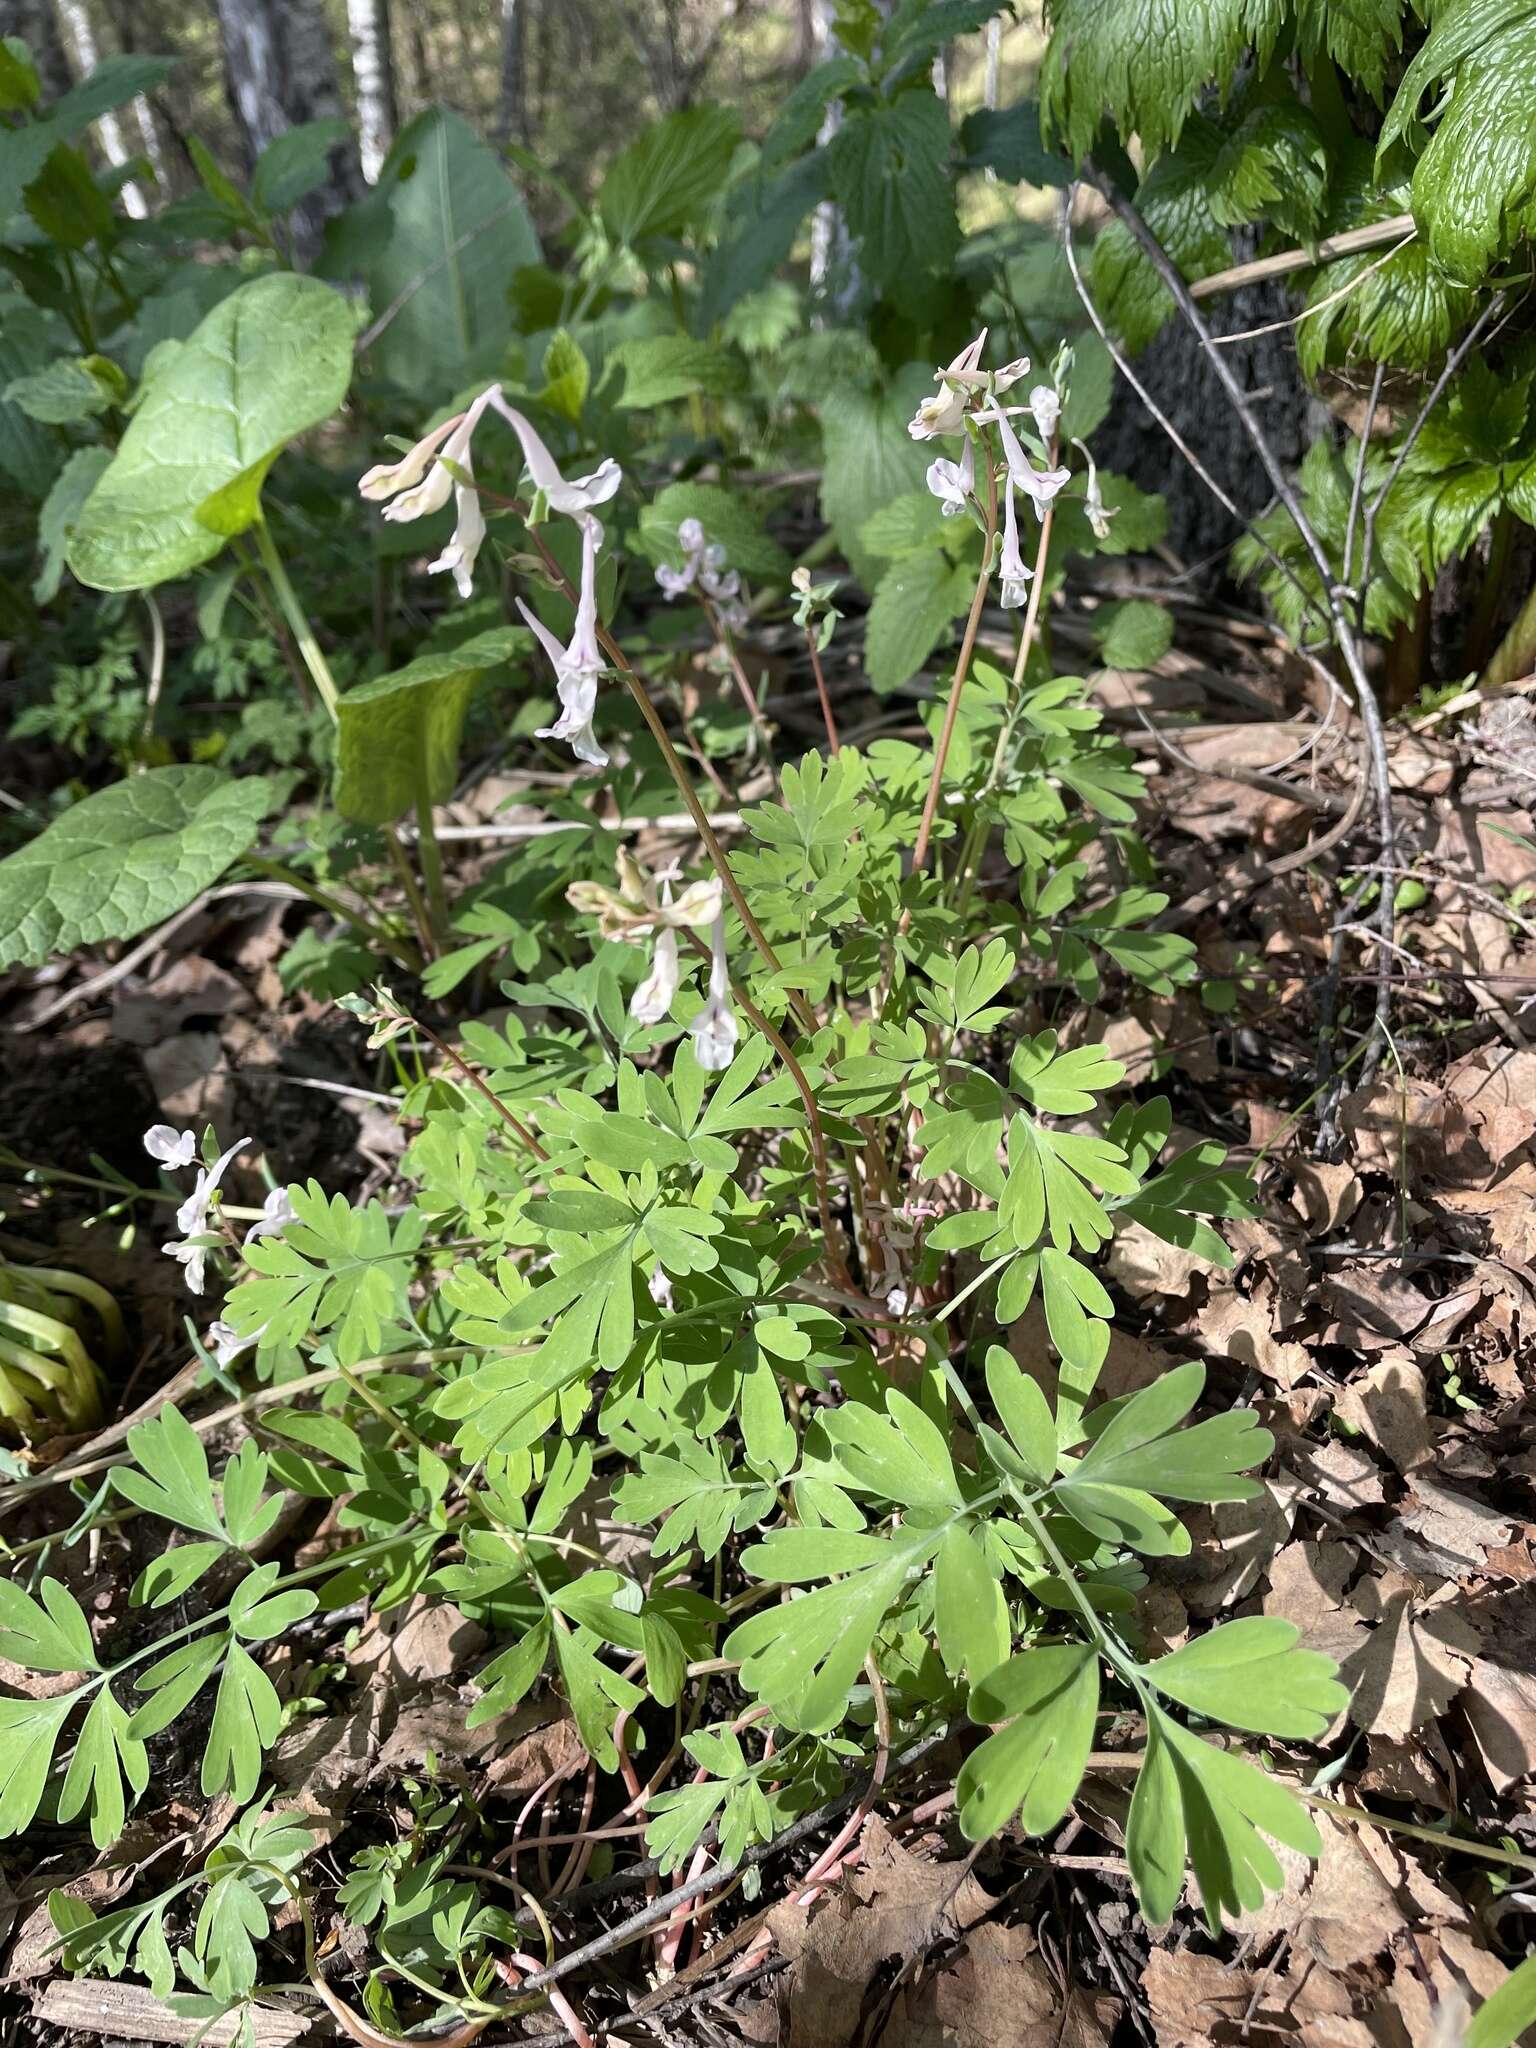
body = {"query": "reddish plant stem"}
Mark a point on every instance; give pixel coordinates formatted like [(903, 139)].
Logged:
[(821, 690)]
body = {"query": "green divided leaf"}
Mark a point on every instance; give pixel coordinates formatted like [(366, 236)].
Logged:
[(52, 1637), (399, 734), (28, 1731), (969, 1611), (106, 1754), (1192, 1797), (270, 361), (172, 1478), (117, 862), (1250, 1674), (1032, 1767), (247, 1719)]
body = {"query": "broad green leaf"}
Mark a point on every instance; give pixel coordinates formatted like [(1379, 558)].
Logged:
[(106, 1753), (446, 224), (1250, 1674), (1133, 634), (1474, 188), (659, 369), (28, 1731), (969, 1611), (270, 361), (67, 391), (29, 340), (1137, 1443), (295, 163), (729, 521), (247, 1719), (762, 219), (112, 82), (869, 458), (670, 175), (1032, 1767), (915, 603), (1505, 2015), (52, 1637), (398, 737), (1007, 140), (60, 512)]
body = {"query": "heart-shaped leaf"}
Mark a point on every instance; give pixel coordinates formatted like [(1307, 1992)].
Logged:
[(269, 361), (399, 735), (121, 860)]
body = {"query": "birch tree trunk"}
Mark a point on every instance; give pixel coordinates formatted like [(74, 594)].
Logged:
[(32, 22), (511, 117), (280, 71), (373, 74), (76, 18)]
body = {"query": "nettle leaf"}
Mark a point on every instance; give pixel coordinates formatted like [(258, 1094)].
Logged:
[(29, 1729), (119, 861), (660, 369), (296, 163), (1474, 188), (1361, 36), (1133, 634), (1032, 1767), (270, 361), (802, 1657), (916, 602), (671, 175), (398, 737), (869, 458), (1191, 1796), (1146, 63), (890, 177), (1250, 1674), (52, 1637), (1175, 201), (69, 390), (1007, 140)]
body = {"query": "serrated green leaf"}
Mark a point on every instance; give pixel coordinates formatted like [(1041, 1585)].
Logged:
[(1134, 634), (296, 163), (670, 175), (889, 175), (915, 603), (659, 369), (728, 522), (1145, 63)]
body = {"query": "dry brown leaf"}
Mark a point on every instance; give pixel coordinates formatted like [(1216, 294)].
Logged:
[(1325, 1196), (1339, 1910), (1387, 1406), (1462, 1975), (1404, 1770), (1500, 1705), (1149, 1268), (995, 1994), (416, 1645), (1463, 1530), (322, 1761), (1340, 1474), (1509, 1209), (1370, 1299), (1231, 1547), (149, 1013), (1199, 2001), (1414, 1663), (523, 1766), (1235, 1326)]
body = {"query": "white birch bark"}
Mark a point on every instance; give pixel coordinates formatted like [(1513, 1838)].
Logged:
[(75, 17), (373, 75)]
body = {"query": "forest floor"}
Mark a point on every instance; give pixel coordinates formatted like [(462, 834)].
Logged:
[(1379, 1317)]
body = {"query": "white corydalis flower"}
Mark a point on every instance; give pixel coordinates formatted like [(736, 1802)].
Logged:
[(652, 1000), (1099, 514), (715, 1030), (579, 665), (577, 497), (953, 482), (1046, 407), (193, 1213), (277, 1212), (1041, 485), (944, 413), (170, 1147), (707, 566), (1013, 573), (226, 1342), (417, 468)]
